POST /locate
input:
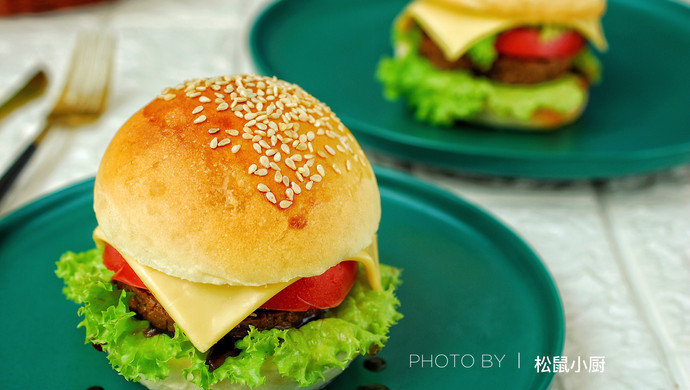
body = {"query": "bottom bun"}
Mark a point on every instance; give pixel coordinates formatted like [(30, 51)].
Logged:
[(176, 381), (542, 120)]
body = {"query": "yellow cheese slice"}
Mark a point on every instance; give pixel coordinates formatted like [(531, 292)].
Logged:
[(455, 32), (206, 312)]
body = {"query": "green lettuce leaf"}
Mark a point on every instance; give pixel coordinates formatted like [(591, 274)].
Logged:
[(483, 53), (358, 326), (588, 64), (441, 97)]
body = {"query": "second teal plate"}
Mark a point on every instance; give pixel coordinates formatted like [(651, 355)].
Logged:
[(636, 121)]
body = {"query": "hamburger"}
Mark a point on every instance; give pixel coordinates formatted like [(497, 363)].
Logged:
[(236, 242), (524, 64)]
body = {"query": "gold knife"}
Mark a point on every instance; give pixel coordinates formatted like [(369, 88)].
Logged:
[(32, 89)]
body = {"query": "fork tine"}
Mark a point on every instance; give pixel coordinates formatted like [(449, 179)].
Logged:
[(88, 75)]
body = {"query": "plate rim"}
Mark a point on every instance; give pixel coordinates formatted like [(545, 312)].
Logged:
[(379, 137), (390, 179)]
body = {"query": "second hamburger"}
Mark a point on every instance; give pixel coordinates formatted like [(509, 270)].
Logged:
[(504, 63)]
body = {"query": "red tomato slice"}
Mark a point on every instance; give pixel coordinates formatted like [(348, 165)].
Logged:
[(114, 261), (526, 43), (317, 292)]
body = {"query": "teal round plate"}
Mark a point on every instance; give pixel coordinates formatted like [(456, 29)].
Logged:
[(479, 305), (636, 121)]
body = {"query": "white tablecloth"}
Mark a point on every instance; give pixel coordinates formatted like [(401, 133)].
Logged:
[(618, 250)]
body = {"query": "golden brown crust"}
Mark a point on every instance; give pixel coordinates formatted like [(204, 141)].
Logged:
[(532, 10), (171, 197)]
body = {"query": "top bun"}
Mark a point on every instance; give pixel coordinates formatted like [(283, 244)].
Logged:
[(532, 10), (241, 180)]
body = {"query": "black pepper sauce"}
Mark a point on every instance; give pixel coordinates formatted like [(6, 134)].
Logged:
[(374, 386), (375, 364)]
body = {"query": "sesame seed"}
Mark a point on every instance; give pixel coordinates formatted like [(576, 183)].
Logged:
[(214, 143), (252, 169), (247, 136), (330, 150), (341, 148), (309, 184), (290, 193), (321, 154), (290, 163), (296, 188), (276, 157), (348, 165), (285, 204), (213, 130), (278, 177), (320, 169), (286, 181), (261, 172), (274, 166), (285, 148), (232, 132), (238, 114), (263, 187), (264, 144), (222, 107), (235, 148), (296, 157), (197, 109), (193, 94), (224, 142), (271, 152), (218, 94), (264, 161), (204, 99), (200, 119), (316, 178), (271, 198), (257, 148)]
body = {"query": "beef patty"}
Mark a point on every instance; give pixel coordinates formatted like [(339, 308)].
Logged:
[(148, 308), (506, 69)]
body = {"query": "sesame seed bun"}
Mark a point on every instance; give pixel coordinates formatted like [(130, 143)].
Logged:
[(241, 180), (537, 11)]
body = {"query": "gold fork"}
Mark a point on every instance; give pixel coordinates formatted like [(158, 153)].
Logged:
[(83, 97)]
